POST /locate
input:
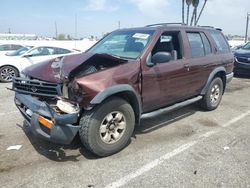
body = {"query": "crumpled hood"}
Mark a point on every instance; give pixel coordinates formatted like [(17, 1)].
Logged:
[(52, 70), (242, 53), (64, 68)]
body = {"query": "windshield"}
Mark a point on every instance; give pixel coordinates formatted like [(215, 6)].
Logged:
[(246, 46), (18, 52), (124, 44)]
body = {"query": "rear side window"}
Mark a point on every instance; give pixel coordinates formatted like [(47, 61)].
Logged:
[(221, 43), (196, 44)]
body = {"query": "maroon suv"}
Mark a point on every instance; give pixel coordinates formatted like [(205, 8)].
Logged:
[(102, 94)]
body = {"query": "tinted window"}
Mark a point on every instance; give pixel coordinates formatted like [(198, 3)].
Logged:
[(221, 43), (5, 47), (41, 51), (15, 47), (207, 46), (61, 51), (196, 44), (246, 46)]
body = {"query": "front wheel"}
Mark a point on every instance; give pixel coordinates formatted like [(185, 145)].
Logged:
[(7, 73), (107, 128), (212, 98)]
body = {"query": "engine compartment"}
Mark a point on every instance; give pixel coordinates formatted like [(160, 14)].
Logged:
[(97, 62)]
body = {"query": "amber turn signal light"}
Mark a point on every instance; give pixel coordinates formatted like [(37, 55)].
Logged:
[(45, 122)]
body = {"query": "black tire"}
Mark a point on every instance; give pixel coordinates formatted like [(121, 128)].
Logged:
[(7, 73), (213, 96), (91, 122)]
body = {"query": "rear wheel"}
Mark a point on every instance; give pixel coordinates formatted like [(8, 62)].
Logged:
[(7, 73), (107, 128), (212, 98)]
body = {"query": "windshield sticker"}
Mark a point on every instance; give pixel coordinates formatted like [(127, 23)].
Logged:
[(141, 36)]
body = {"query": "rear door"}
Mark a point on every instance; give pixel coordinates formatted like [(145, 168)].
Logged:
[(200, 61)]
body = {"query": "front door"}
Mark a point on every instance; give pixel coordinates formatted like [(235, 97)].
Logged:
[(166, 83)]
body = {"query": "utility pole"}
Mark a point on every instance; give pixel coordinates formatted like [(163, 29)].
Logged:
[(246, 36), (119, 24), (76, 26), (56, 29)]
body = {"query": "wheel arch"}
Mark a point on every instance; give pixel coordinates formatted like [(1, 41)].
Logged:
[(125, 92), (7, 65), (217, 72)]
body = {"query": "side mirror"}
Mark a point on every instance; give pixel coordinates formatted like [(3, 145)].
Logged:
[(161, 57)]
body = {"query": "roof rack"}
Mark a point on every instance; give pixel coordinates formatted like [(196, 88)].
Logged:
[(219, 29), (164, 24), (206, 26)]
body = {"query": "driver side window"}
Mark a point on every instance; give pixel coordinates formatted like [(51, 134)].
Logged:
[(169, 42), (40, 51)]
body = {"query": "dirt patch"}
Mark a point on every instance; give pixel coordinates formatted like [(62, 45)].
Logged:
[(6, 169), (208, 123), (1, 136)]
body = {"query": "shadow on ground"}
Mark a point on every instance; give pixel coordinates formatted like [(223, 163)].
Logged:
[(75, 151), (57, 152)]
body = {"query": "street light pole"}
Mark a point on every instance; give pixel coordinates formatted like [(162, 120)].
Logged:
[(246, 36)]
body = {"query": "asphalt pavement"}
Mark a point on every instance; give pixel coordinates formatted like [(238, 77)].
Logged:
[(188, 147)]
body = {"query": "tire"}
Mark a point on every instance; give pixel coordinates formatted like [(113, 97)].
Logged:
[(212, 98), (107, 129), (7, 73)]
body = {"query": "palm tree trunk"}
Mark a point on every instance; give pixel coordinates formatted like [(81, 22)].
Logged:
[(183, 11), (205, 2), (192, 18), (188, 8)]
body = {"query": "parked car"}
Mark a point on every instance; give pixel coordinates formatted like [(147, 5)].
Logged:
[(242, 60), (103, 93), (5, 48), (237, 47), (18, 52), (12, 66)]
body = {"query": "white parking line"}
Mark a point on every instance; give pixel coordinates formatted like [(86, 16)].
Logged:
[(8, 113), (149, 166), (124, 180), (232, 121)]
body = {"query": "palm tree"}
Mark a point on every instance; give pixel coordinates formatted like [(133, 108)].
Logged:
[(195, 4), (183, 11), (188, 2), (204, 4)]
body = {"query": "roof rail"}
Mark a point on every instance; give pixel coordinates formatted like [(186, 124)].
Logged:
[(206, 26), (165, 24)]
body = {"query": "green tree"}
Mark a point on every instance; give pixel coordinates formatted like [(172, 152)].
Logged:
[(61, 36)]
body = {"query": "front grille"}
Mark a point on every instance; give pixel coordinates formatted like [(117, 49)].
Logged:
[(36, 87), (243, 59)]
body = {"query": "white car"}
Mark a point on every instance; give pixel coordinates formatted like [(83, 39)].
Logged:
[(5, 48), (12, 66)]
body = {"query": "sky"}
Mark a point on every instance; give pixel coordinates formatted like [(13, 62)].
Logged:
[(95, 17)]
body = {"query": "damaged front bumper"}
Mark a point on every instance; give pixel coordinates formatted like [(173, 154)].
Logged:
[(58, 128)]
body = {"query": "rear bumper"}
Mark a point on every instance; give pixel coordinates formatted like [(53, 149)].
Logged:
[(229, 77), (62, 131)]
